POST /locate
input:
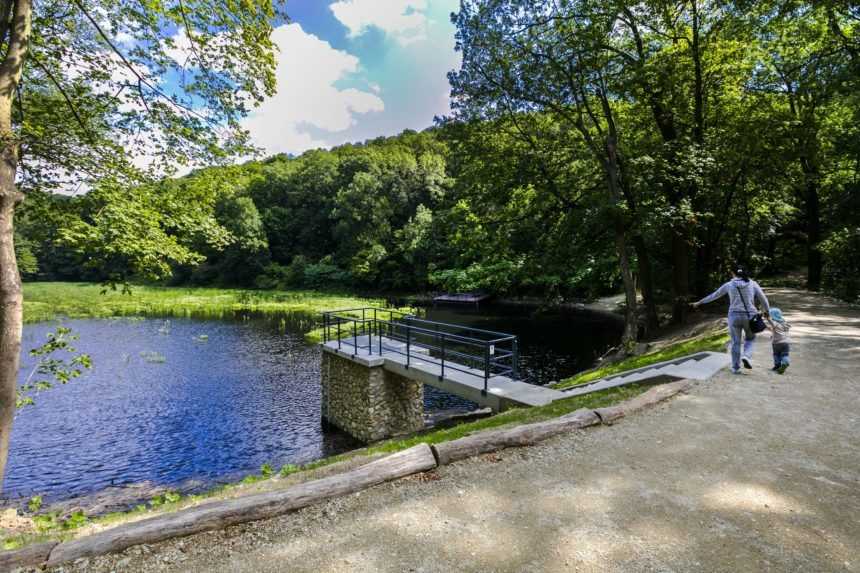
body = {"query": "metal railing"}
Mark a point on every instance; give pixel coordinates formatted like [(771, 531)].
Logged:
[(453, 347)]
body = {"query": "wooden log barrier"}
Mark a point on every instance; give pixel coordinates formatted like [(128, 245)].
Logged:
[(31, 556), (525, 435), (217, 515), (645, 400)]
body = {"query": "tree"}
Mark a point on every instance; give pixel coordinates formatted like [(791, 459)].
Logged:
[(248, 251), (89, 90), (805, 63), (528, 61)]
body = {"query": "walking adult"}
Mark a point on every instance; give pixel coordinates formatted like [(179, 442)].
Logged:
[(743, 293)]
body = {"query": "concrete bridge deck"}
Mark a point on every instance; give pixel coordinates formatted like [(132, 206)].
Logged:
[(502, 392)]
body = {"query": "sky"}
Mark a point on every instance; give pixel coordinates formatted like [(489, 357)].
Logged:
[(351, 70)]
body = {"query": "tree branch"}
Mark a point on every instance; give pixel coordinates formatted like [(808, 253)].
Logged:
[(141, 80), (69, 103)]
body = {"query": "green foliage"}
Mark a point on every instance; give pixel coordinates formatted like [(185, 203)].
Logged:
[(113, 97), (842, 267), (500, 277), (82, 123), (511, 194), (289, 469), (266, 470), (57, 361), (28, 264), (53, 522), (35, 503)]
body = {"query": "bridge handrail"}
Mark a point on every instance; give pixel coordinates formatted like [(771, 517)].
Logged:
[(503, 335), (491, 358)]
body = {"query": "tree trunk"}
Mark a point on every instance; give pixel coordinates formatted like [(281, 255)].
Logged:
[(646, 277), (613, 181), (630, 318), (813, 225), (11, 297), (11, 300), (525, 435), (680, 276)]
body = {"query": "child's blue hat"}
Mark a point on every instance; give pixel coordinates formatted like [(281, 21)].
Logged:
[(776, 314)]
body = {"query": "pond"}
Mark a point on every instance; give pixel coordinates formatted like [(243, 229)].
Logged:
[(188, 404), (554, 344)]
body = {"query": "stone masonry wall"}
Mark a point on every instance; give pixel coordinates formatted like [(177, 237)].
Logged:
[(369, 402)]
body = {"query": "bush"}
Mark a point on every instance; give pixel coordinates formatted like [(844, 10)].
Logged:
[(325, 274), (275, 276), (841, 273), (495, 278)]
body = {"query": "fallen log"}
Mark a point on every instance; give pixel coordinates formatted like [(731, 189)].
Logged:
[(30, 556), (653, 396), (525, 435), (217, 515)]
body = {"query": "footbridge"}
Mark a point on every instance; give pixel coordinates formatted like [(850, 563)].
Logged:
[(377, 361), (476, 364)]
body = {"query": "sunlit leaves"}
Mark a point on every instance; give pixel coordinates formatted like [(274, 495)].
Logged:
[(57, 362)]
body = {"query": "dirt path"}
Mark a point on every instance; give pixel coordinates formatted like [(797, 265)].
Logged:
[(746, 473)]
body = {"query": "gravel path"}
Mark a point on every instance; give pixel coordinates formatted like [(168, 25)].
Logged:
[(745, 473)]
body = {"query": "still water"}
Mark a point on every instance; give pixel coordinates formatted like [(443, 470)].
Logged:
[(189, 403)]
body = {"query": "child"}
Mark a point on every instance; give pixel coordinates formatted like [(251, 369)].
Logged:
[(781, 339)]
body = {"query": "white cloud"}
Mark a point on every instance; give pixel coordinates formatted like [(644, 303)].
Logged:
[(405, 20), (308, 69)]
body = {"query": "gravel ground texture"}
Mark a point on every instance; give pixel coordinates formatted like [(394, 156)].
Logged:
[(758, 472)]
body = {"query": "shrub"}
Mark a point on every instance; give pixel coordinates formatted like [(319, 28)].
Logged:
[(495, 278), (841, 273), (325, 274), (274, 276)]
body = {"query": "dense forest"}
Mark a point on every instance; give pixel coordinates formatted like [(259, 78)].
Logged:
[(592, 147)]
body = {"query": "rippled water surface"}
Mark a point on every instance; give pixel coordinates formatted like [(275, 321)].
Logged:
[(190, 403), (168, 402)]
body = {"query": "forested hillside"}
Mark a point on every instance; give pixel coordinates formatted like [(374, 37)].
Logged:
[(590, 146)]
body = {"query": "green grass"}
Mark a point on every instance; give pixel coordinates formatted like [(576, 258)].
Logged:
[(47, 301), (514, 417), (711, 342)]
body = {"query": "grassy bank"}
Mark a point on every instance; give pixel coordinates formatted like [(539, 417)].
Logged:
[(715, 342), (46, 301)]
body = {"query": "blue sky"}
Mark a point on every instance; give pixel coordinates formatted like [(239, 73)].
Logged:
[(350, 70)]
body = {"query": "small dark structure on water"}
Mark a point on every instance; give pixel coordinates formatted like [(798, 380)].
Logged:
[(475, 298)]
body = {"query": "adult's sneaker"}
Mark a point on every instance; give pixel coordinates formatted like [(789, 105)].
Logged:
[(747, 362), (782, 368)]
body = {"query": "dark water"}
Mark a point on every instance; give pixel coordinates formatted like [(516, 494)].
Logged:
[(553, 344), (165, 406)]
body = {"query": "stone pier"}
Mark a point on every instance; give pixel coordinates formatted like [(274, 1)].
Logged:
[(365, 400)]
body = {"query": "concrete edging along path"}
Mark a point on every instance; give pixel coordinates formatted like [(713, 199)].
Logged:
[(420, 458)]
